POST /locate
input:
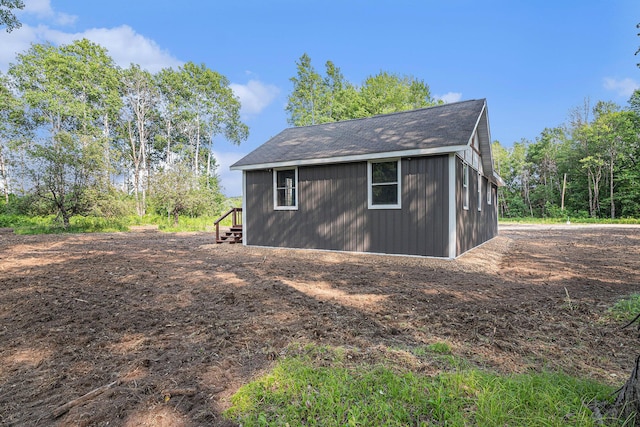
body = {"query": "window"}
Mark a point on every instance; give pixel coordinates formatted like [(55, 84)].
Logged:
[(465, 186), (479, 192), (489, 193), (384, 184), (285, 183)]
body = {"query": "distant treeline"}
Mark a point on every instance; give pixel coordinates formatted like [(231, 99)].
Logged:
[(588, 167)]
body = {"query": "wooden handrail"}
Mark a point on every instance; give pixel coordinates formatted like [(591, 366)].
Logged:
[(236, 220)]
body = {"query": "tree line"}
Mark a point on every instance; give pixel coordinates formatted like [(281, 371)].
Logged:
[(77, 133), (587, 167)]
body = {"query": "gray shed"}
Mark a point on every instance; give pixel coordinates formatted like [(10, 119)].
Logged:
[(418, 182)]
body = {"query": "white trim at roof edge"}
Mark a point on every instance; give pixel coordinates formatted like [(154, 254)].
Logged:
[(475, 127), (492, 175), (353, 158)]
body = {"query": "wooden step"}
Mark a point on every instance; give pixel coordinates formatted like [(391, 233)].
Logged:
[(234, 235)]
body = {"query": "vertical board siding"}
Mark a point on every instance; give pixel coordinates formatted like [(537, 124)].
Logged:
[(333, 214), (474, 227)]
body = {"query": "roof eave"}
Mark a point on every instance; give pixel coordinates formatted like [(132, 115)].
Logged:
[(352, 158)]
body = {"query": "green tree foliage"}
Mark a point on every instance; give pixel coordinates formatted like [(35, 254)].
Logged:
[(138, 122), (177, 192), (316, 99), (388, 93), (12, 127), (305, 103), (7, 15), (634, 101), (65, 173), (198, 105), (70, 92), (80, 126), (597, 155)]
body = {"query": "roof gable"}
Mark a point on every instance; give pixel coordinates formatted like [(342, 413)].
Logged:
[(441, 129)]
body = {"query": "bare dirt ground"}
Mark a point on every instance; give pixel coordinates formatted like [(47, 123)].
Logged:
[(179, 323)]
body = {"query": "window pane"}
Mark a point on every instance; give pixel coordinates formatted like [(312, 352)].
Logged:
[(286, 197), (384, 194), (384, 172), (286, 178)]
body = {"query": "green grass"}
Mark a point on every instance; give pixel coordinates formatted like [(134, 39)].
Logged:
[(440, 348), (305, 389), (23, 224), (563, 220), (625, 309)]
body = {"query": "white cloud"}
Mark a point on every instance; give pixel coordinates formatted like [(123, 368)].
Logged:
[(42, 9), (124, 45), (449, 97), (623, 87), (255, 96), (230, 180), (15, 42)]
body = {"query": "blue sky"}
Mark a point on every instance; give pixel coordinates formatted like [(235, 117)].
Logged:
[(533, 61)]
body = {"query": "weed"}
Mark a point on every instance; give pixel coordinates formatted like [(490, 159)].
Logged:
[(625, 309)]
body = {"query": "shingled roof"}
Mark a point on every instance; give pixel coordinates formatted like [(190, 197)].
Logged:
[(441, 129)]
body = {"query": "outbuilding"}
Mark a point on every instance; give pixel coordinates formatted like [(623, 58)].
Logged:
[(419, 182)]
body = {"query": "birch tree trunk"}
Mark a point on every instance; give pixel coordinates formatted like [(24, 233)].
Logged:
[(4, 175)]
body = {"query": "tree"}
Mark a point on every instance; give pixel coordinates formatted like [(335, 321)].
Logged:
[(618, 134), (65, 172), (638, 51), (7, 17), (12, 125), (389, 93), (69, 91), (140, 96), (199, 106), (634, 101), (343, 99), (215, 110), (177, 191), (316, 99), (305, 102), (170, 87), (542, 156)]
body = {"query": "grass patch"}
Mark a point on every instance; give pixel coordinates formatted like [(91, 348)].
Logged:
[(563, 220), (440, 348), (23, 224), (626, 308), (318, 388)]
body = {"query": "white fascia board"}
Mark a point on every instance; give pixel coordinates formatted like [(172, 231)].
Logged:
[(475, 127), (354, 158)]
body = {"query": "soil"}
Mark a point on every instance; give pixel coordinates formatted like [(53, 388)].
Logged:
[(171, 325)]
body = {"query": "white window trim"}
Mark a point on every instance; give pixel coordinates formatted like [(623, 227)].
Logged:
[(275, 191), (479, 192), (465, 186), (489, 193), (370, 185)]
